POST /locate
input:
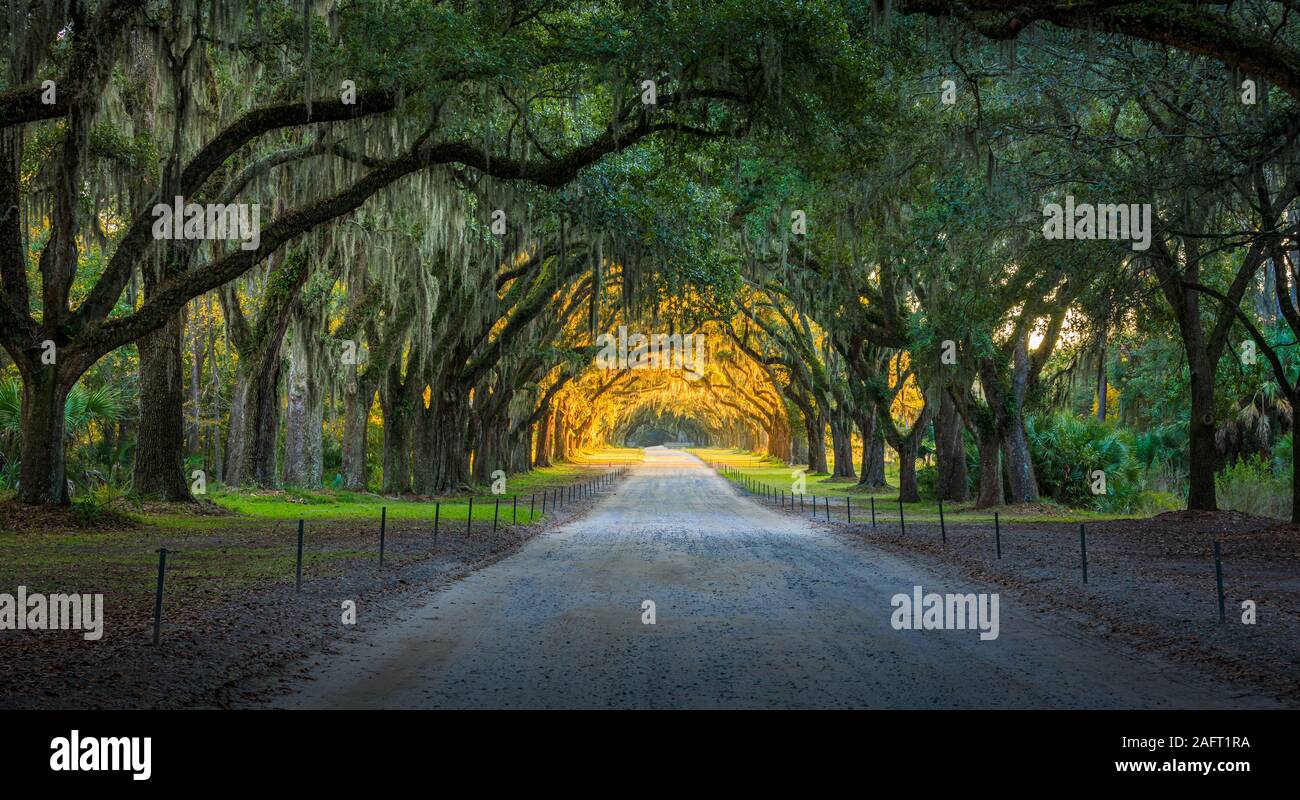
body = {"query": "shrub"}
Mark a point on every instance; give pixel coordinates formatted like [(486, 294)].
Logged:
[(1253, 486), (1066, 451), (1283, 455), (1148, 502), (1166, 478), (1166, 444), (927, 481), (97, 503)]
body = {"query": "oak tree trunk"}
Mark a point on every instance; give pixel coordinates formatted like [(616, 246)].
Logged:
[(815, 426), (254, 424), (42, 477), (398, 423), (1020, 465), (449, 453), (424, 474), (542, 449), (304, 417), (160, 442), (873, 451), (951, 452), (842, 444), (1203, 455), (908, 491), (357, 401), (990, 451)]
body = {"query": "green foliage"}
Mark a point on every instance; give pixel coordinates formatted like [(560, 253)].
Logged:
[(927, 481), (97, 502), (777, 106), (1066, 451), (83, 407), (87, 405), (11, 406), (1164, 444), (1254, 486), (1284, 454)]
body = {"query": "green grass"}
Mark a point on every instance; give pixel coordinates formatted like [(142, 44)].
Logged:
[(254, 565), (126, 561), (332, 505), (778, 475), (255, 545)]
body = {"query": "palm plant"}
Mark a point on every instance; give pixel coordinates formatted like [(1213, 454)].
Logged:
[(1260, 420), (84, 406), (1165, 444), (1067, 451)]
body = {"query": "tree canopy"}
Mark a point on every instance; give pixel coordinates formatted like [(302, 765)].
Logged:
[(1013, 244)]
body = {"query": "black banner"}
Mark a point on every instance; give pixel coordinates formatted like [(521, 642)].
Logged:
[(330, 749)]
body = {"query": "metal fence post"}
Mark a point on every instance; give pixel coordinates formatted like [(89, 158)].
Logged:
[(943, 529), (297, 586), (1083, 552), (1218, 577), (157, 600), (383, 525)]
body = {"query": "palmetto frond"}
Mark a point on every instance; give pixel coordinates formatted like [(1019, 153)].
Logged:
[(83, 406)]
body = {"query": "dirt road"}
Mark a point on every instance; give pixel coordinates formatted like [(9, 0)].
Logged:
[(753, 609)]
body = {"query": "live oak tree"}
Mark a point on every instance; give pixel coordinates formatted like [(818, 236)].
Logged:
[(1253, 36), (97, 39), (458, 198)]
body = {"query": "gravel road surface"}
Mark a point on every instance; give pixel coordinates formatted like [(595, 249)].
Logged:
[(753, 609)]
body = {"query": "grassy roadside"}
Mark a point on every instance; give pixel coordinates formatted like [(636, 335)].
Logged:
[(245, 540), (775, 474), (328, 504)]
